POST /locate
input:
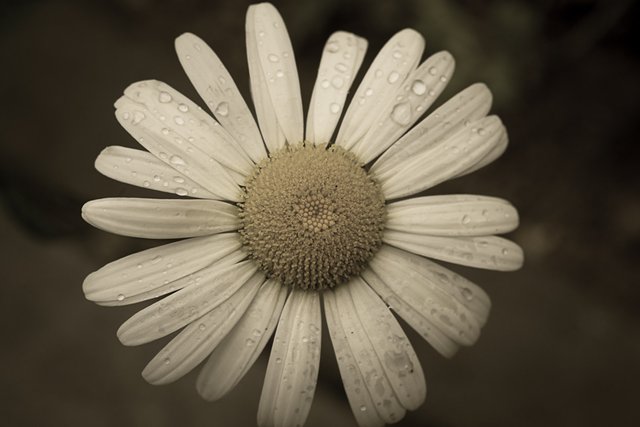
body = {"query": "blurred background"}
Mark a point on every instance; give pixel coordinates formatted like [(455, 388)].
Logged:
[(562, 346)]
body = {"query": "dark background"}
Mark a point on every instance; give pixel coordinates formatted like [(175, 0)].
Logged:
[(562, 346)]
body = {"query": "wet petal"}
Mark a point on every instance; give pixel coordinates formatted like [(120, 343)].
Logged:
[(161, 218), (151, 273), (292, 372), (397, 59), (488, 252), (270, 55), (217, 88), (231, 360), (452, 215), (217, 284), (143, 169), (195, 342), (444, 160), (421, 88), (342, 56), (453, 304), (470, 105)]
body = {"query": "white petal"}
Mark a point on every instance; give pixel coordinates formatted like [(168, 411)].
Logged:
[(143, 169), (161, 218), (453, 304), (151, 273), (470, 105), (362, 405), (488, 252), (195, 342), (444, 160), (452, 215), (271, 55), (397, 59), (390, 343), (231, 360), (217, 88), (492, 155), (415, 318), (411, 100), (195, 158), (375, 381), (290, 381), (342, 56), (218, 282)]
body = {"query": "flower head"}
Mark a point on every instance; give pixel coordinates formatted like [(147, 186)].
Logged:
[(282, 217)]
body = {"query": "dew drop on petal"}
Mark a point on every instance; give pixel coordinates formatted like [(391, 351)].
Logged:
[(337, 82), (181, 191), (466, 219), (120, 297), (222, 109), (433, 71), (393, 77), (178, 179), (183, 108), (418, 87), (341, 67), (325, 83), (138, 116), (401, 113), (176, 160), (179, 120), (334, 108), (332, 47), (165, 97)]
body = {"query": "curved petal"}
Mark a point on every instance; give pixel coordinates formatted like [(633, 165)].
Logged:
[(151, 273), (444, 160), (360, 399), (143, 169), (488, 252), (195, 342), (292, 372), (270, 55), (421, 88), (342, 56), (452, 215), (453, 304), (217, 284), (415, 318), (231, 360), (471, 104), (217, 88), (375, 382), (397, 59), (161, 218)]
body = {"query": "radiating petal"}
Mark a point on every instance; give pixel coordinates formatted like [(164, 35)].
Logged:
[(292, 372), (444, 160), (233, 357), (411, 100), (342, 56), (390, 343), (197, 162), (453, 304), (492, 155), (272, 55), (217, 88), (195, 342), (151, 273), (362, 405), (143, 169), (415, 318), (397, 59), (470, 105), (488, 252), (383, 398), (452, 215), (217, 284), (161, 218)]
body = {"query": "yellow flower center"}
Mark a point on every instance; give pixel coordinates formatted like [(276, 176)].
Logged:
[(311, 217)]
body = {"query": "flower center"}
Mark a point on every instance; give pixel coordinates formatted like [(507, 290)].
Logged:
[(311, 217)]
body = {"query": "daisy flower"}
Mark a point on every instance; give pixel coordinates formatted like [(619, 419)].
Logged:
[(282, 218)]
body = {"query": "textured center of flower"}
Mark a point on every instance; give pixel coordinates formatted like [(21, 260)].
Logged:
[(312, 217)]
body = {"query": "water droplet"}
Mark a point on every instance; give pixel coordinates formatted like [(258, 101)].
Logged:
[(181, 191), (418, 87), (393, 77), (341, 67), (222, 109), (467, 294), (397, 54), (401, 114), (368, 92), (126, 115), (337, 82), (146, 183), (165, 97), (167, 360), (481, 131), (165, 131), (466, 219), (138, 116), (278, 360), (273, 58), (249, 342), (433, 71), (179, 120), (279, 73), (378, 73), (176, 160), (363, 408), (332, 47), (183, 108), (505, 251), (178, 179), (120, 297), (334, 108), (202, 326), (443, 79)]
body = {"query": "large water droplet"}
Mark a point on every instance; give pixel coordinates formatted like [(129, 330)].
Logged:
[(222, 109), (273, 57), (120, 297), (332, 46), (165, 97), (334, 108), (393, 77), (337, 82), (176, 160), (138, 116), (418, 87), (341, 67), (183, 108), (401, 114), (179, 120), (181, 191), (433, 71)]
